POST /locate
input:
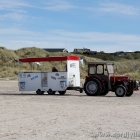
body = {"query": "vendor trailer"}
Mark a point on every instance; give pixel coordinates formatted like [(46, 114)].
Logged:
[(51, 82)]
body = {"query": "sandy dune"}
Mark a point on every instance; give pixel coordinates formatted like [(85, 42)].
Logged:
[(75, 116)]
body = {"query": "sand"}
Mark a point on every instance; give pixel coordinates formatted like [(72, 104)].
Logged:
[(75, 116)]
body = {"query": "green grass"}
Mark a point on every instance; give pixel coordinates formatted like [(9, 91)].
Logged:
[(9, 68)]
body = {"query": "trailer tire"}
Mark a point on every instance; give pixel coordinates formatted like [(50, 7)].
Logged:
[(39, 92), (120, 91), (92, 87), (62, 92), (50, 92), (129, 93)]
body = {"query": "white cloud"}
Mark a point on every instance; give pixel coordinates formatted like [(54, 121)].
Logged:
[(8, 5), (108, 42), (13, 16), (119, 8), (15, 32), (52, 5), (13, 9), (60, 5)]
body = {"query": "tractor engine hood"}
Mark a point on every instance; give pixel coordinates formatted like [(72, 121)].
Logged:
[(119, 78)]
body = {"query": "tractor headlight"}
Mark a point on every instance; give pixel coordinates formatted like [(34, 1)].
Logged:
[(137, 83)]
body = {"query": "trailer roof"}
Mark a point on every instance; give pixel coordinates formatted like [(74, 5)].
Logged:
[(53, 58)]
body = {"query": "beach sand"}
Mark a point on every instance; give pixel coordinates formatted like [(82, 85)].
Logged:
[(75, 116)]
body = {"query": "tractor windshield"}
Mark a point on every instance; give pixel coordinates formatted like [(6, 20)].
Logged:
[(100, 69), (110, 69), (92, 70), (96, 69)]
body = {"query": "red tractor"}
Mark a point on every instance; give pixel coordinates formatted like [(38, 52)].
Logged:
[(101, 79)]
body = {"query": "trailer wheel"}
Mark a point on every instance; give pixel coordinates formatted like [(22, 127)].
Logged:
[(92, 87), (50, 92), (129, 93), (120, 91), (39, 92), (62, 92)]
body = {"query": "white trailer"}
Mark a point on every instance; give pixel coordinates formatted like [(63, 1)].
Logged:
[(51, 82)]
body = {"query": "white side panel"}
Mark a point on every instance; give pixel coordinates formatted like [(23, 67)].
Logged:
[(56, 81), (73, 73), (29, 81)]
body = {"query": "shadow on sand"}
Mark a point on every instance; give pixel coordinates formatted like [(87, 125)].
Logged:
[(56, 95)]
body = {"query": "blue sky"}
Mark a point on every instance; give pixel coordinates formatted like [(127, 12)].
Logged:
[(101, 25)]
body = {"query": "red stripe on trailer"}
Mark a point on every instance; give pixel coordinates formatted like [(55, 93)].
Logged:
[(54, 58)]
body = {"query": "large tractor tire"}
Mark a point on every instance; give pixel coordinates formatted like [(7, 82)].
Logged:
[(92, 87), (129, 93), (62, 92), (120, 91), (39, 92)]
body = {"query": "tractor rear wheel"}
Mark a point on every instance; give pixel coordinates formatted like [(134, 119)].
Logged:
[(62, 92), (129, 93), (120, 91), (92, 87)]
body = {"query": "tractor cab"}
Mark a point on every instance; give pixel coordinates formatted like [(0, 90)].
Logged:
[(100, 68), (101, 79)]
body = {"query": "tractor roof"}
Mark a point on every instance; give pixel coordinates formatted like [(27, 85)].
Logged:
[(101, 63)]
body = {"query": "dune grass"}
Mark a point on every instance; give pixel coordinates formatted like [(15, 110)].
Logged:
[(128, 64)]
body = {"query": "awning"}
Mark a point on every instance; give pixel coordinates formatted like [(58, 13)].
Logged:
[(54, 58)]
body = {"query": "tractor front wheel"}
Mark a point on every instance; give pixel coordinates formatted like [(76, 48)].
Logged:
[(129, 93), (120, 91)]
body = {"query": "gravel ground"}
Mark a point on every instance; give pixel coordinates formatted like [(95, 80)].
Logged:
[(75, 116)]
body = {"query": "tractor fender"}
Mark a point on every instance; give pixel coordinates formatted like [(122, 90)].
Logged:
[(118, 83)]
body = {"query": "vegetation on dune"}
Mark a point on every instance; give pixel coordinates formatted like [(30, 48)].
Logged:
[(128, 64)]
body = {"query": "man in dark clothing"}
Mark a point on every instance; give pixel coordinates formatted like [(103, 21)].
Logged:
[(54, 69)]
